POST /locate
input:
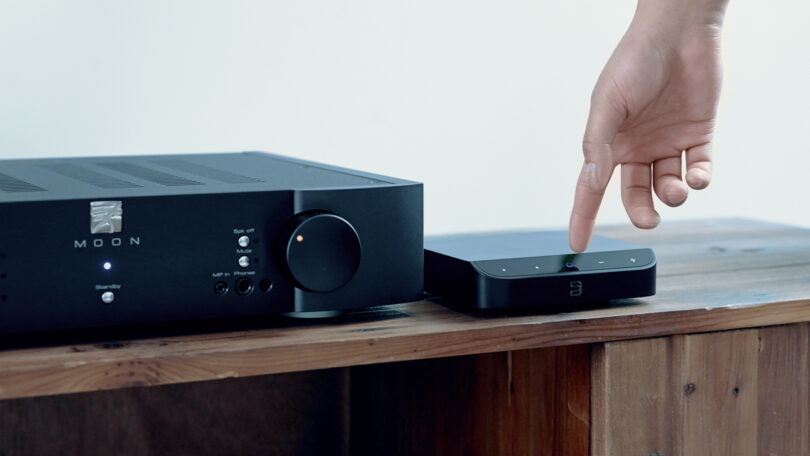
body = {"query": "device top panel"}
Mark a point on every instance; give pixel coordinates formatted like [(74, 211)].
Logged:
[(497, 246), (151, 175)]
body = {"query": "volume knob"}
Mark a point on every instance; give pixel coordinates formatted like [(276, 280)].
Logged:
[(321, 251)]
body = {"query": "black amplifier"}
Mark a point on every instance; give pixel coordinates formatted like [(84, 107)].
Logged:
[(108, 241)]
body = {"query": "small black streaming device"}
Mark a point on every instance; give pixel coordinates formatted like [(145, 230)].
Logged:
[(534, 269)]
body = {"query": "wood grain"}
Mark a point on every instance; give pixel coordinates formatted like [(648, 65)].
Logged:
[(550, 401), (784, 390), (713, 275), (453, 406), (630, 398), (720, 415), (287, 414), (727, 393), (526, 402)]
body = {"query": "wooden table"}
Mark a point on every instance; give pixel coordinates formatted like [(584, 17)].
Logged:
[(715, 363)]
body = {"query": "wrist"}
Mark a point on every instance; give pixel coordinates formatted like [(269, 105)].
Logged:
[(679, 16)]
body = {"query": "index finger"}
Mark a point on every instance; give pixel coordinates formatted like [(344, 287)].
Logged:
[(583, 215), (604, 120)]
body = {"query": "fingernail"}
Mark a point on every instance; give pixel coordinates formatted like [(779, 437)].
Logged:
[(698, 178), (676, 197), (590, 176)]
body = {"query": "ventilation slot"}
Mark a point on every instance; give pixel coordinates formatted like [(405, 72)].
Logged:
[(89, 177), (14, 185), (148, 174), (205, 171)]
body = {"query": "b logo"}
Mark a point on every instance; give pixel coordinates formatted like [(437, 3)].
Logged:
[(576, 288)]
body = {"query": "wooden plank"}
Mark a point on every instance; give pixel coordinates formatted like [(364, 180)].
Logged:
[(550, 401), (529, 402), (712, 276), (288, 414), (783, 390), (720, 394), (725, 393), (631, 398), (79, 368), (453, 406)]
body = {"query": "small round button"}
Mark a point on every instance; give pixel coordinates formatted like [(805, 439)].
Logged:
[(244, 261), (108, 297), (243, 241)]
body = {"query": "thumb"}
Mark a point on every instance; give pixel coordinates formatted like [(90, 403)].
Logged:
[(604, 121)]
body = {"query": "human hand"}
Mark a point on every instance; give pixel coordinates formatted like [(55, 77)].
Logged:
[(655, 100)]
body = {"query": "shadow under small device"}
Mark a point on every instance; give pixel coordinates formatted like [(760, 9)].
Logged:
[(533, 269)]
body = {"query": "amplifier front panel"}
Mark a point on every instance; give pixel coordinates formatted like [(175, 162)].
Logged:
[(169, 258)]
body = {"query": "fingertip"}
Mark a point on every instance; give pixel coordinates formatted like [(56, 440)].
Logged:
[(586, 206), (644, 218), (676, 194), (579, 232), (698, 178), (576, 244)]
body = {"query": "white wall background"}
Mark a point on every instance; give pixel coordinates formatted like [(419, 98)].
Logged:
[(484, 102)]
